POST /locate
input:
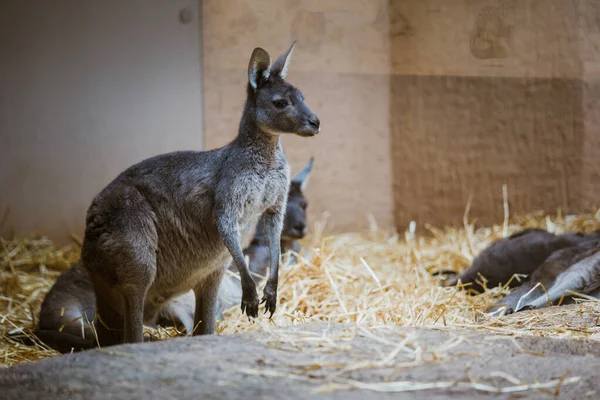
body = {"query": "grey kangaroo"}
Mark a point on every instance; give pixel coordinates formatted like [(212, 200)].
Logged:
[(294, 228), (67, 312), (173, 222), (69, 308), (520, 253), (575, 269)]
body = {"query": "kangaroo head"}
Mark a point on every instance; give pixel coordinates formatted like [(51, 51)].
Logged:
[(294, 225), (279, 106)]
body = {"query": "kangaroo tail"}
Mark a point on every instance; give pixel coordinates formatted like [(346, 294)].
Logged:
[(59, 341)]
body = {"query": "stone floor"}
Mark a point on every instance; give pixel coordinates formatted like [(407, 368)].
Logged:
[(321, 362)]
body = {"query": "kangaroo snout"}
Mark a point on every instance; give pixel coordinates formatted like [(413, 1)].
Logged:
[(311, 125), (315, 123), (294, 230), (300, 230)]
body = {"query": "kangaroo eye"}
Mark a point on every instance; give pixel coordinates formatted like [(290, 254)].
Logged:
[(280, 104)]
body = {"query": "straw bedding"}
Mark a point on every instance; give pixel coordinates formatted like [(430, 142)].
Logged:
[(371, 278)]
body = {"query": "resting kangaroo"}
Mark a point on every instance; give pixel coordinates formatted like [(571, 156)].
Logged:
[(173, 222), (69, 308), (294, 228), (68, 311), (575, 269), (520, 253)]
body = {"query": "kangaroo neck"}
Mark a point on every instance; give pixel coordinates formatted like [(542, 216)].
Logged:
[(251, 137)]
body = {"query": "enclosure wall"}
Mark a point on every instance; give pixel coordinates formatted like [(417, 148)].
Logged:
[(423, 103), (88, 88), (341, 64), (486, 93)]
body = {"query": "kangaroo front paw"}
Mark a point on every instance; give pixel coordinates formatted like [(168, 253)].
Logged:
[(250, 304), (270, 298)]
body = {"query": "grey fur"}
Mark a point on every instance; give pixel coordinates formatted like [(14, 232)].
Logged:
[(67, 314), (574, 268), (179, 312), (294, 228), (68, 310), (520, 253), (173, 222), (582, 277)]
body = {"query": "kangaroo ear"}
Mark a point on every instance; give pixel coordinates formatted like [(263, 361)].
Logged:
[(301, 177), (280, 66), (259, 68)]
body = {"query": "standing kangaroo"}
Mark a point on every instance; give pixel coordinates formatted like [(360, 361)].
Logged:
[(294, 228), (173, 222), (67, 312)]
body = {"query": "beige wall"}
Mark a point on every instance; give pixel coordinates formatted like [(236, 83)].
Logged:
[(468, 117), (418, 109), (87, 89), (419, 112), (341, 63), (590, 57)]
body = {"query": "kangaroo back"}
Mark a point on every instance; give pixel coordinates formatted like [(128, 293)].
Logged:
[(68, 311), (520, 253), (67, 315)]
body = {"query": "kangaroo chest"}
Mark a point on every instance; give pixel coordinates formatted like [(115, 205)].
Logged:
[(268, 190)]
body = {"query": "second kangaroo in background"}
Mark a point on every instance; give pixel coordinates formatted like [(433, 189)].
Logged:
[(66, 321)]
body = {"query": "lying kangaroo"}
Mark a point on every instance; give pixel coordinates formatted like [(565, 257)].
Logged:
[(67, 312), (520, 253), (173, 222), (69, 308), (575, 269), (294, 228)]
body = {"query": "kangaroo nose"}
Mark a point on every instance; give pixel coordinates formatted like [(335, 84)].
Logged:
[(314, 122), (300, 227)]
